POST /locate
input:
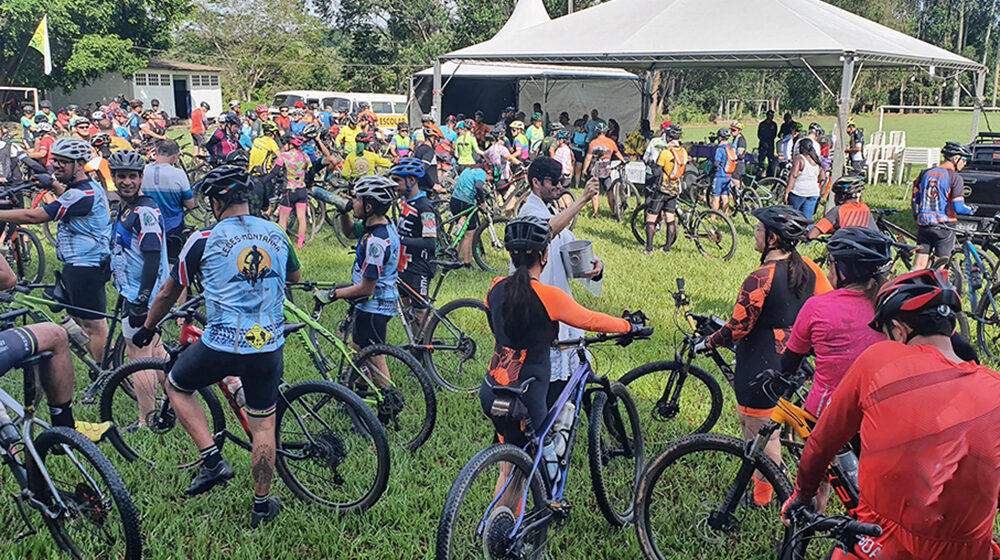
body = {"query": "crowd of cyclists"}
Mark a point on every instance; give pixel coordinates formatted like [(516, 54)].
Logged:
[(892, 378)]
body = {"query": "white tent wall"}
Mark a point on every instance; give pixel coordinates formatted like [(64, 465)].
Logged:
[(614, 99)]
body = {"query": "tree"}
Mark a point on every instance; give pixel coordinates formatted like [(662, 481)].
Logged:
[(87, 38)]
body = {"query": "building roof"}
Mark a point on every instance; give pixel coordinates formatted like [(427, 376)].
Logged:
[(162, 64), (506, 70)]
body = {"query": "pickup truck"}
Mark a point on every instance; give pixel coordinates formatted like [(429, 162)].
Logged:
[(982, 181)]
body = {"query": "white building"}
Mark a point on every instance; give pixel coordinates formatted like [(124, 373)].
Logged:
[(179, 87)]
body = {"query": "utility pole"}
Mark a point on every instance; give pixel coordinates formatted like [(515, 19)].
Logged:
[(569, 6)]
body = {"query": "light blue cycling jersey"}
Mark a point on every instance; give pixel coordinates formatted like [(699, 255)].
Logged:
[(138, 230), (243, 262), (377, 257), (83, 237)]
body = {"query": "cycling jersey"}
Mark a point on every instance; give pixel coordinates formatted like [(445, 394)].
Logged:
[(198, 121), (137, 230), (346, 136), (263, 155), (361, 165), (377, 258), (402, 144), (522, 352), (219, 145), (604, 143), (534, 134), (470, 185), (937, 193), (418, 236), (464, 148), (84, 232), (497, 155), (295, 163), (243, 262), (652, 153), (849, 214), (762, 319), (169, 187), (522, 147), (929, 472), (121, 131), (672, 161), (725, 158)]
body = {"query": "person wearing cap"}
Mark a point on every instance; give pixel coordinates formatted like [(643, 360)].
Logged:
[(740, 143), (767, 132), (521, 146), (535, 133), (425, 121), (787, 126), (855, 147)]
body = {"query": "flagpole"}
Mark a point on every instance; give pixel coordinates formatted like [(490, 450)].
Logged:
[(20, 59)]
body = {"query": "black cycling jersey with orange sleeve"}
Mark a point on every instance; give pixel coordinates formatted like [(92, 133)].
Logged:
[(762, 321), (848, 214)]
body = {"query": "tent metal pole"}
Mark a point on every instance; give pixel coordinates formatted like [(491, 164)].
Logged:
[(980, 99), (436, 109), (843, 113)]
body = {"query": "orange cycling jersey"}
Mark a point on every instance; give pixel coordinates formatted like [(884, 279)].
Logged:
[(930, 451), (848, 214)]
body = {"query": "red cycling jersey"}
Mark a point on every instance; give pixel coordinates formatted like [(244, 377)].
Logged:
[(930, 451)]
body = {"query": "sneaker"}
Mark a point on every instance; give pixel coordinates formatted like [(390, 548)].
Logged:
[(665, 249), (208, 478), (95, 432), (273, 509), (647, 251)]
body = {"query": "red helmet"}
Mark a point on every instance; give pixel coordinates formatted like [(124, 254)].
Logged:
[(916, 293), (666, 124), (300, 105), (260, 109)]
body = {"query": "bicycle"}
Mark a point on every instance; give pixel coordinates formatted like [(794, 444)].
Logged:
[(63, 476), (845, 531), (473, 523), (970, 267), (331, 449), (20, 246), (487, 238), (623, 192), (712, 232), (903, 259)]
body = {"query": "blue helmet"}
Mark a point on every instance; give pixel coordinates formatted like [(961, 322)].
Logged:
[(408, 168)]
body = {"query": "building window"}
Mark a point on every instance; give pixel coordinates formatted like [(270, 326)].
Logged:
[(214, 79), (165, 80), (140, 79), (204, 80)]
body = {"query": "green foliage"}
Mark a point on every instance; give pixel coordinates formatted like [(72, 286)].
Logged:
[(94, 55)]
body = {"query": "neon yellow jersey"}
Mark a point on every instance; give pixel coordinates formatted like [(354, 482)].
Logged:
[(358, 166), (346, 138), (263, 154)]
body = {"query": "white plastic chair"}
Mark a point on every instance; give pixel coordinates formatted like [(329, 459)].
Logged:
[(897, 138), (884, 164), (877, 138)]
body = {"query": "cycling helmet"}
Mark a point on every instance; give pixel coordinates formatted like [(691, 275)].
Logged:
[(268, 127), (233, 104), (433, 130), (529, 233), (297, 112), (517, 125), (45, 104), (77, 121), (368, 117), (723, 133), (154, 102), (71, 148), (261, 109), (673, 132), (352, 119), (952, 149), (923, 294), (232, 118), (737, 125), (40, 118), (72, 107), (97, 116), (815, 127), (251, 115), (43, 127), (379, 189), (310, 131), (562, 134), (238, 157), (100, 139), (784, 221), (129, 160), (848, 185), (223, 181), (408, 169), (364, 137), (478, 114), (859, 252), (204, 105), (296, 141), (134, 103)]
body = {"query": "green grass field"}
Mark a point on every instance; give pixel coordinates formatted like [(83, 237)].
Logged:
[(402, 525)]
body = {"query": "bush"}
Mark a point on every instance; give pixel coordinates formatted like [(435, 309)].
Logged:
[(688, 113)]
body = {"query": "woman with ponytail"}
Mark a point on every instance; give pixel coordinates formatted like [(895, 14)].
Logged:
[(805, 179)]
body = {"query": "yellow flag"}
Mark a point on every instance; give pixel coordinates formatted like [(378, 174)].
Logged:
[(40, 42)]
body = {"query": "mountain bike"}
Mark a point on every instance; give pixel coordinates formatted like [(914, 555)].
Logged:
[(971, 269), (903, 259), (475, 523), (807, 527), (63, 476), (712, 232), (20, 246), (403, 400), (331, 449), (623, 192), (487, 238)]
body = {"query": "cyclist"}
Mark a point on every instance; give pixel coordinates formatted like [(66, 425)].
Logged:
[(120, 125), (170, 189), (399, 145), (225, 139), (265, 166), (135, 121), (765, 311), (661, 198), (466, 148), (235, 108), (856, 147), (723, 166), (366, 112), (561, 152), (929, 470), (603, 148), (740, 143), (426, 150), (521, 146), (469, 191), (651, 155), (938, 195), (155, 127), (376, 262), (345, 138), (81, 128), (98, 166), (498, 154), (535, 133), (244, 262), (362, 162), (44, 138), (295, 162), (417, 228), (525, 316), (282, 119), (849, 211)]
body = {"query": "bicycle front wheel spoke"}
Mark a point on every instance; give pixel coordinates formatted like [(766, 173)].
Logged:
[(459, 343)]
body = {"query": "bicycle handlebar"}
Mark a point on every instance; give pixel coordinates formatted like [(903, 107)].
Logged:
[(840, 526), (642, 334)]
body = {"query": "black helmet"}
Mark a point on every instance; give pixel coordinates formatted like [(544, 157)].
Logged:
[(232, 118), (352, 119), (848, 185), (923, 294), (204, 105), (252, 115), (154, 102), (41, 118), (268, 127), (498, 131), (784, 221), (723, 133), (673, 132), (529, 233), (239, 158), (952, 149), (130, 160), (224, 181), (310, 131), (859, 253)]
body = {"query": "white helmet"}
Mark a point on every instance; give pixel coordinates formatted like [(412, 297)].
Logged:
[(71, 148), (381, 189)]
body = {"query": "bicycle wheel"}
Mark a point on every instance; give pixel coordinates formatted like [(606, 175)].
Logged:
[(487, 245), (332, 450), (638, 225), (408, 407), (27, 256), (143, 436), (679, 499), (626, 198), (776, 186), (49, 236), (678, 404), (988, 322), (714, 234), (459, 344), (469, 501), (100, 520), (616, 453)]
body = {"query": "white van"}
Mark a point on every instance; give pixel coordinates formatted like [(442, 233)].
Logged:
[(390, 108)]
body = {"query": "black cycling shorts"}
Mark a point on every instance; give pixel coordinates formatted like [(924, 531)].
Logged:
[(294, 196), (535, 399), (658, 202), (936, 240), (415, 284), (16, 345), (85, 289), (200, 366), (605, 184), (458, 206), (740, 171), (369, 328), (198, 139)]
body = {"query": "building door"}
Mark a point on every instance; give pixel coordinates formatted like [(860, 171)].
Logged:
[(182, 97)]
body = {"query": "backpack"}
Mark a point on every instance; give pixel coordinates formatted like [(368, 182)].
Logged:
[(730, 158), (680, 163)]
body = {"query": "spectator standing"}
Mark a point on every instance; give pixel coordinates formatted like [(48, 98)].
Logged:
[(199, 124), (787, 126), (591, 125), (805, 178), (855, 147), (767, 133)]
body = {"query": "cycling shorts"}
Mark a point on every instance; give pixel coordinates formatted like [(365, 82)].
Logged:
[(605, 184), (897, 543), (936, 240), (721, 186), (415, 284), (198, 139), (458, 206), (509, 430), (741, 170), (369, 328), (200, 366), (294, 197), (658, 202), (16, 345), (85, 289)]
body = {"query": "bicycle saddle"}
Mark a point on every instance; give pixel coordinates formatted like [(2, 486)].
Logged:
[(33, 360)]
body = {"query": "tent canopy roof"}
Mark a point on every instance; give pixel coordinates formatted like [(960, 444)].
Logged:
[(505, 70), (650, 34)]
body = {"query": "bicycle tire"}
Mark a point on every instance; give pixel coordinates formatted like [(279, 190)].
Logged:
[(360, 432), (626, 196), (398, 404), (47, 232), (721, 233), (117, 405), (461, 490), (439, 363), (489, 252), (711, 545), (776, 186), (50, 445), (651, 380), (626, 443), (638, 225), (988, 322), (27, 248)]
